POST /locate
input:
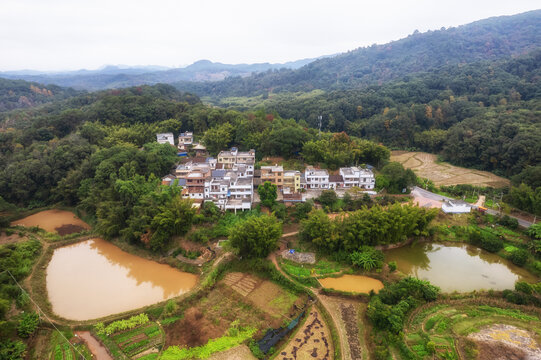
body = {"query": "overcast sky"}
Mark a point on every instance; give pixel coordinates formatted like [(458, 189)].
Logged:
[(75, 34)]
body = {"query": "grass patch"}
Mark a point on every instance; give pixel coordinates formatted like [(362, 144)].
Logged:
[(233, 338)]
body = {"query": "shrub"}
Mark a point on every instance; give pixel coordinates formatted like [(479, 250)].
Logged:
[(279, 210), (367, 258), (519, 257), (490, 243), (200, 235), (12, 350), (392, 266), (302, 210), (28, 324), (120, 325), (523, 287), (171, 306), (509, 222)]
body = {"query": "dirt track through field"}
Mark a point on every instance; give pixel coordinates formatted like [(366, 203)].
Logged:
[(425, 165)]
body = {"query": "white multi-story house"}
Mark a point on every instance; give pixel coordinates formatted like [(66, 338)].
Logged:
[(362, 178), (185, 140), (229, 191), (165, 138), (242, 188), (316, 178)]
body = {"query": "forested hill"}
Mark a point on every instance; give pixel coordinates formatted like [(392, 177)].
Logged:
[(16, 94), (489, 39), (484, 115)]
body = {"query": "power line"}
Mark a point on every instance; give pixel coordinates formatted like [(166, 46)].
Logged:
[(42, 312)]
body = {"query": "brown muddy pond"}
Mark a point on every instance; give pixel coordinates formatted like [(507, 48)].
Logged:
[(458, 267), (352, 283), (94, 278), (60, 221)]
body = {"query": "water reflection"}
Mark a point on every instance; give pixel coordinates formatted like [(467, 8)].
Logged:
[(457, 267), (95, 278)]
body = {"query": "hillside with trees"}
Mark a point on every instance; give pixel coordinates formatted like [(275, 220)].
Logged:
[(489, 39), (19, 94)]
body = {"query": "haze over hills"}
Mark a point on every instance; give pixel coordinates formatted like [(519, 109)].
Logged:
[(489, 39), (120, 76)]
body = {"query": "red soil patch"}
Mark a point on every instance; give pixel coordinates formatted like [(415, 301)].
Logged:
[(490, 350), (69, 229), (193, 330)]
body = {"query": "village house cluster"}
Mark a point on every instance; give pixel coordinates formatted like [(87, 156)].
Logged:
[(230, 179)]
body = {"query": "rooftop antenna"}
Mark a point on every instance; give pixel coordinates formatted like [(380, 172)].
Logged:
[(319, 118)]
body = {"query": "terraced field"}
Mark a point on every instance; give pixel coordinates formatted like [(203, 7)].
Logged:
[(468, 330), (425, 165)]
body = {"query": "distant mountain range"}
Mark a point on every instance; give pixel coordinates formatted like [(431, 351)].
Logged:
[(111, 76)]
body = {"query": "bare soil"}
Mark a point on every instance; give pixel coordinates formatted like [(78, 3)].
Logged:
[(265, 295), (69, 229), (211, 317), (501, 341), (193, 330), (5, 239), (498, 351), (425, 165), (51, 220)]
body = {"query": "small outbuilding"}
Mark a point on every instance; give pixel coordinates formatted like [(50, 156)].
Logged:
[(456, 207)]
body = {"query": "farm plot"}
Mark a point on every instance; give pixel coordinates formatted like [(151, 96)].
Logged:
[(265, 295), (211, 317), (425, 165), (60, 349), (135, 341), (306, 270), (444, 331), (312, 340)]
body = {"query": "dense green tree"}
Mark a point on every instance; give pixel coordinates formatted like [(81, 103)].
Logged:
[(388, 309), (256, 236), (302, 210), (368, 226), (398, 178), (174, 218), (218, 138), (267, 193), (320, 230)]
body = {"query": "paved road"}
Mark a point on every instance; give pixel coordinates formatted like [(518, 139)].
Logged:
[(431, 195)]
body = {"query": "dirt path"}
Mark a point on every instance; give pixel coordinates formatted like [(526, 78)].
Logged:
[(241, 352), (27, 281), (290, 234), (95, 347), (480, 201)]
